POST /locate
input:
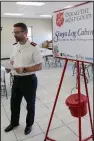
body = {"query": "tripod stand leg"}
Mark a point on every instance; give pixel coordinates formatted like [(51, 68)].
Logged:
[(79, 120), (61, 80), (86, 88)]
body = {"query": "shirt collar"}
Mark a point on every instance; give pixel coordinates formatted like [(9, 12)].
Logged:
[(24, 45)]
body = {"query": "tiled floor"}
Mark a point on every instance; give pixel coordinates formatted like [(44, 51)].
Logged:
[(64, 127)]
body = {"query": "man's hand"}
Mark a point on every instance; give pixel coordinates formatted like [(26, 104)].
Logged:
[(34, 68), (29, 69), (19, 70)]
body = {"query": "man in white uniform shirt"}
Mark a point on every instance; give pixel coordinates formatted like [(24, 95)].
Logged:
[(26, 60)]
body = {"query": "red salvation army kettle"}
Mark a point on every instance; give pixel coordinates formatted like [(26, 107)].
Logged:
[(73, 103)]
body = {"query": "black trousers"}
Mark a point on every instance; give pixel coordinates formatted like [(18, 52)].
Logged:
[(23, 86)]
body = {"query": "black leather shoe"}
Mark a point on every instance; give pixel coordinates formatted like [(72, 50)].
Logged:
[(10, 127), (28, 130)]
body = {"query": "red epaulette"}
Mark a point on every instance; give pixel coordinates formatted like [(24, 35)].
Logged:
[(33, 44), (14, 43)]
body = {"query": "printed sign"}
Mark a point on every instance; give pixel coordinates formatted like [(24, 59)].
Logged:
[(73, 32)]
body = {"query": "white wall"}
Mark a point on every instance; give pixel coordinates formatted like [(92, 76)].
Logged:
[(42, 31)]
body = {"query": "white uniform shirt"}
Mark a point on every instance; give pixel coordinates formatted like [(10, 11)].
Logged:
[(26, 55)]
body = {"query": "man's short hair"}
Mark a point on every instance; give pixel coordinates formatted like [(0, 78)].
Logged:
[(21, 25)]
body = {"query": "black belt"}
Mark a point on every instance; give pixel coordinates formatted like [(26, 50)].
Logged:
[(23, 76)]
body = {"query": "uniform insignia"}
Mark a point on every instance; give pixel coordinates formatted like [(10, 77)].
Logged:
[(33, 44), (14, 43)]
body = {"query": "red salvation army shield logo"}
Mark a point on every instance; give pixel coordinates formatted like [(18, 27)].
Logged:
[(60, 19)]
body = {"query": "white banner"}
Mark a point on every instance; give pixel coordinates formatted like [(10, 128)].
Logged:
[(73, 32)]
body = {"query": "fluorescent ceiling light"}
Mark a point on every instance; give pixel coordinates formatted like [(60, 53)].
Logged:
[(31, 3), (68, 6), (12, 14), (45, 16)]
